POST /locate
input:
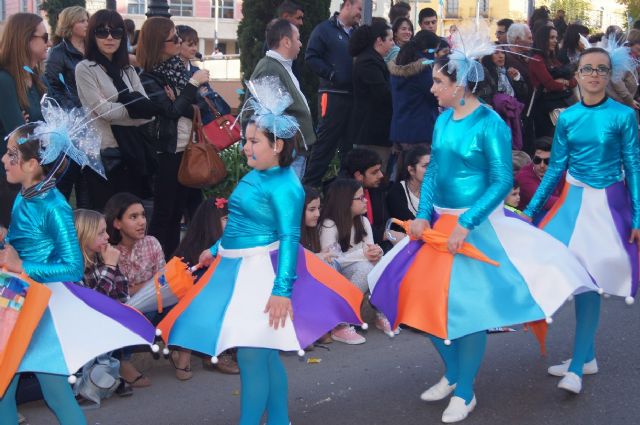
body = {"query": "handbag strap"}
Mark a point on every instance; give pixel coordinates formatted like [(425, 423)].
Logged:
[(212, 107)]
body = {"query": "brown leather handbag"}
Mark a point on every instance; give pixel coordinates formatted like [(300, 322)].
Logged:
[(201, 165), (221, 132)]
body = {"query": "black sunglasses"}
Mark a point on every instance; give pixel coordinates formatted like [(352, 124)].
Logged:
[(537, 160), (104, 32), (175, 39), (44, 37)]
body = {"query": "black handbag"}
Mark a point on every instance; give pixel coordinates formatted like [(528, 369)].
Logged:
[(137, 147)]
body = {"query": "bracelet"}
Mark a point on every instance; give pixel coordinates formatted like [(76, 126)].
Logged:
[(194, 82)]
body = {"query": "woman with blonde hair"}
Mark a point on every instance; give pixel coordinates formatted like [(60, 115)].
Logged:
[(24, 42), (172, 87), (60, 73)]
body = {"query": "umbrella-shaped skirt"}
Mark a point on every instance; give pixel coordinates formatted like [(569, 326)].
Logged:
[(78, 325), (422, 285), (226, 307)]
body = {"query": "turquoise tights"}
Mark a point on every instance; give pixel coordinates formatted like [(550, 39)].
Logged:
[(58, 395), (264, 387), (587, 318), (462, 360)]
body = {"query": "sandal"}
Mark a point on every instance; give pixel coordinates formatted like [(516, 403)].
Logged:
[(140, 381), (182, 373)]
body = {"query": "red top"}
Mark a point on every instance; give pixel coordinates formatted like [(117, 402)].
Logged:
[(529, 182), (539, 74)]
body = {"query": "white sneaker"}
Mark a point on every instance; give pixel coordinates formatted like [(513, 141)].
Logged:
[(571, 382), (458, 410), (589, 368), (439, 391)]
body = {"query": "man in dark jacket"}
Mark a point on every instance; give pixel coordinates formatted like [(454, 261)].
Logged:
[(283, 39), (328, 57)]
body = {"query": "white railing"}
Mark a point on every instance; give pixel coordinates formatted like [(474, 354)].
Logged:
[(226, 67)]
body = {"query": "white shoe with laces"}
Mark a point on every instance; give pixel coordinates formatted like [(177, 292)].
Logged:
[(439, 391), (571, 382), (458, 410), (589, 368)]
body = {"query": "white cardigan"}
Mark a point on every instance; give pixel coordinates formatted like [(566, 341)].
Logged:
[(329, 237)]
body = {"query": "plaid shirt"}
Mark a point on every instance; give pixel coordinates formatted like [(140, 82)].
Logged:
[(108, 281), (142, 262)]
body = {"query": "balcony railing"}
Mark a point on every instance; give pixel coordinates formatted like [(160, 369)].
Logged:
[(226, 67)]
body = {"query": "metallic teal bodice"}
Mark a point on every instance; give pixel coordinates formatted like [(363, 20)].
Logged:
[(599, 146), (470, 166), (266, 207), (43, 234)]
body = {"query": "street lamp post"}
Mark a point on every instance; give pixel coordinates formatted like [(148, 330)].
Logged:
[(158, 8), (111, 5)]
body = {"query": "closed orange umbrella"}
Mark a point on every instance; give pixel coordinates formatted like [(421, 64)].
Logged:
[(438, 241)]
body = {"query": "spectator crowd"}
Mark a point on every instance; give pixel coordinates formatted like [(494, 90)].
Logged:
[(376, 113)]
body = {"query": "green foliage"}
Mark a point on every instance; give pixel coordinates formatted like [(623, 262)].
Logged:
[(251, 36), (633, 9), (54, 7), (237, 167), (574, 10)]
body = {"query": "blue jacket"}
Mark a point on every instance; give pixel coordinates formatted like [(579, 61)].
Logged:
[(415, 109), (328, 56)]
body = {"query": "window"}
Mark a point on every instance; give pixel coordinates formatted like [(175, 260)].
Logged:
[(452, 8), (136, 7), (225, 10), (2, 6), (181, 7)]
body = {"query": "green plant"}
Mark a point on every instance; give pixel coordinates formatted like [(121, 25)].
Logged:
[(237, 167), (54, 7)]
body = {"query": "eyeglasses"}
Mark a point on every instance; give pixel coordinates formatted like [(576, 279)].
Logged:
[(600, 70), (104, 32), (501, 32), (360, 198), (537, 160), (44, 37), (175, 39)]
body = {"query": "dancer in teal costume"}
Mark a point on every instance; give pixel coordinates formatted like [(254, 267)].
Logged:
[(596, 140), (42, 243)]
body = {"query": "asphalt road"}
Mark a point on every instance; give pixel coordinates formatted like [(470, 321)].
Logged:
[(379, 383)]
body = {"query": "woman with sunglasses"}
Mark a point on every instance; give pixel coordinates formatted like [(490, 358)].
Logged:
[(110, 88), (597, 215), (173, 89), (24, 42)]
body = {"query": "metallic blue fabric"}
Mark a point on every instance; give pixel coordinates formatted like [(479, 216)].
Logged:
[(266, 207), (595, 143), (470, 166), (43, 234)]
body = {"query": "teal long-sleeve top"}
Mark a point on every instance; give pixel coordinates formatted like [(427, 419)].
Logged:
[(43, 234), (470, 166), (266, 207), (598, 144)]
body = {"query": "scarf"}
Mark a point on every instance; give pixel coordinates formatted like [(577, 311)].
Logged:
[(113, 71), (174, 71), (504, 86)]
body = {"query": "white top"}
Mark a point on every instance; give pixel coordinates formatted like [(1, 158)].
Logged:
[(412, 200), (329, 238)]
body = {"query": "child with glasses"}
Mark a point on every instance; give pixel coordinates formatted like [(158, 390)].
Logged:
[(598, 213)]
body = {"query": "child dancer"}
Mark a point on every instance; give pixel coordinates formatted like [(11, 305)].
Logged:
[(597, 215), (456, 298), (248, 293)]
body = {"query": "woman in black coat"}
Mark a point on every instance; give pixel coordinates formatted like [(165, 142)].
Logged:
[(60, 74), (371, 113), (173, 89)]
